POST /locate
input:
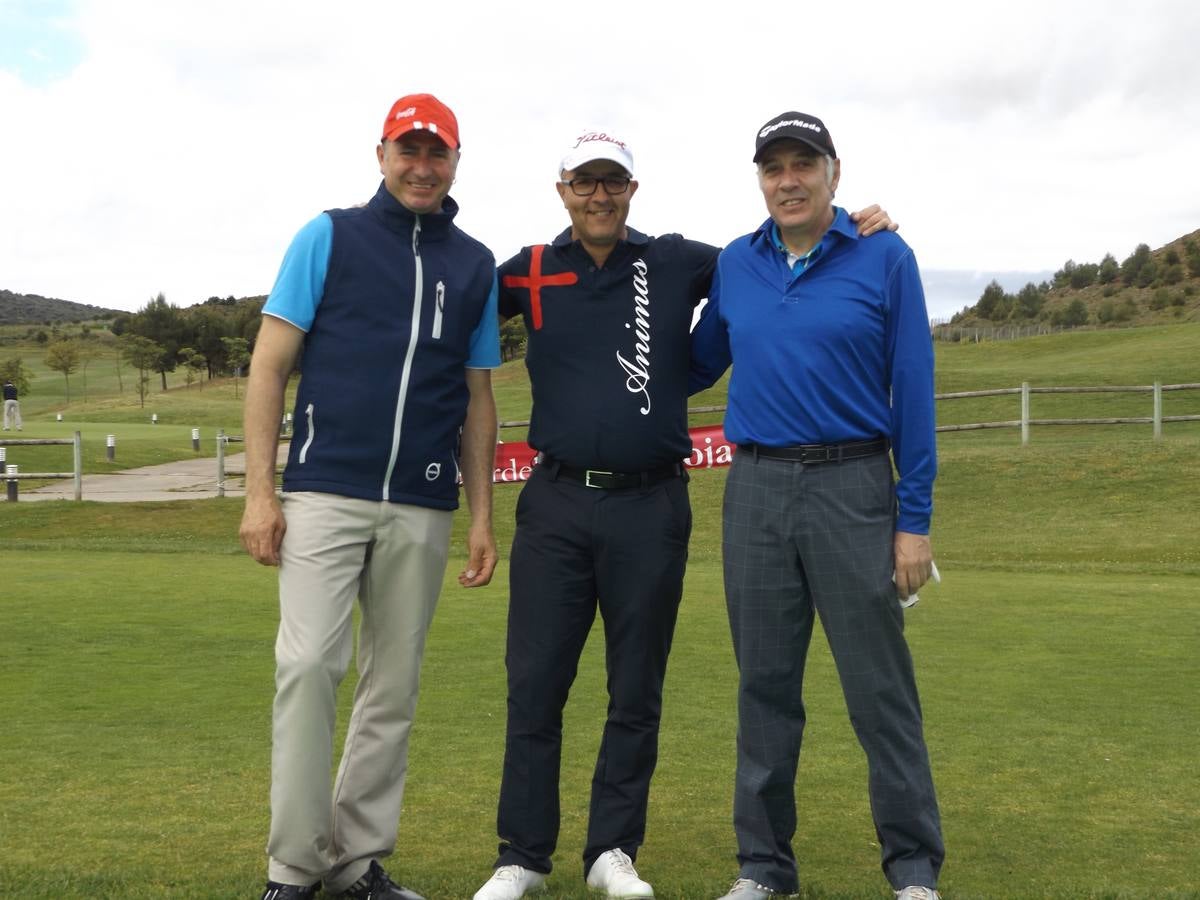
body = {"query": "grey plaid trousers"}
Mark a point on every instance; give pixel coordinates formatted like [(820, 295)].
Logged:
[(799, 539)]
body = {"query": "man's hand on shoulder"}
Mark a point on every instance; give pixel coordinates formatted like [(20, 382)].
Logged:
[(873, 219)]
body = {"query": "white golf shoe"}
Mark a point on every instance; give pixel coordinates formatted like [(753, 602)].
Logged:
[(614, 876), (511, 883)]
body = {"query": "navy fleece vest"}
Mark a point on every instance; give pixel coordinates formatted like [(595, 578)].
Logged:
[(383, 390)]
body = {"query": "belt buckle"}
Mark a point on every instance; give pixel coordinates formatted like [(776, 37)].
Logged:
[(815, 455), (587, 477)]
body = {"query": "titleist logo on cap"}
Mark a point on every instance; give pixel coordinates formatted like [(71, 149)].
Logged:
[(589, 136)]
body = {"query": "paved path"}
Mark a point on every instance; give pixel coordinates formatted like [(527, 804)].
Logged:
[(187, 479)]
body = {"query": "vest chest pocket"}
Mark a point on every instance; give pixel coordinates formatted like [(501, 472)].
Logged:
[(439, 306)]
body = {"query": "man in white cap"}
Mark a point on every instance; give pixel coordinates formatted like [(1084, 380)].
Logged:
[(395, 310), (604, 519)]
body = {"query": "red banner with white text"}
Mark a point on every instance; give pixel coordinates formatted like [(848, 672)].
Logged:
[(515, 461)]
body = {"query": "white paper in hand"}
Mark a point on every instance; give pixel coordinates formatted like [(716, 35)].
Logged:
[(911, 599)]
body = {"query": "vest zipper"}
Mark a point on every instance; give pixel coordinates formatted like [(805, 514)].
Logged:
[(405, 374)]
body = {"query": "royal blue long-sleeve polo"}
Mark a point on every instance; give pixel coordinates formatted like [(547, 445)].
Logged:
[(836, 350)]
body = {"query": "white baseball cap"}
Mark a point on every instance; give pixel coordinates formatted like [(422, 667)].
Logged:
[(595, 144)]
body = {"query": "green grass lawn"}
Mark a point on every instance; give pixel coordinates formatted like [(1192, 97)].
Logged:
[(1057, 661)]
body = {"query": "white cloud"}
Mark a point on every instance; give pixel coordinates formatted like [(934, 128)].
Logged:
[(192, 140)]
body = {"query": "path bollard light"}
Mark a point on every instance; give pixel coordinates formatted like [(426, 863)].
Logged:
[(59, 419), (196, 439), (3, 453), (154, 418), (12, 483), (110, 447)]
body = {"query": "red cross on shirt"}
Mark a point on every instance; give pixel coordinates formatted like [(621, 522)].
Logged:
[(536, 281)]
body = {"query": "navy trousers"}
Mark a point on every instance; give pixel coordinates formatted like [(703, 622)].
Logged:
[(577, 549), (799, 539)]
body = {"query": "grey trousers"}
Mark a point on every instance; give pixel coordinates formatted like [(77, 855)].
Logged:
[(797, 540), (392, 558)]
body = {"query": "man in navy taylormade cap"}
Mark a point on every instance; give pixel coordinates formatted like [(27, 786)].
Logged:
[(832, 367)]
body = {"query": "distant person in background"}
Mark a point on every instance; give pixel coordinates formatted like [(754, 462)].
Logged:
[(832, 366), (12, 407), (395, 309), (604, 520)]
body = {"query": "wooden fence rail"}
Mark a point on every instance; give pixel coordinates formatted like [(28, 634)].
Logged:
[(11, 475), (1026, 421)]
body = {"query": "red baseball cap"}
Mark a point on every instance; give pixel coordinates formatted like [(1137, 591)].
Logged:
[(425, 112)]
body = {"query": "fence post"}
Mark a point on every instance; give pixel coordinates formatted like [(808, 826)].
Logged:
[(78, 460), (1024, 413), (1158, 410), (221, 462)]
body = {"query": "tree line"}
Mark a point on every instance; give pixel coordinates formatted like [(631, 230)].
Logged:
[(205, 340), (1141, 269), (209, 339)]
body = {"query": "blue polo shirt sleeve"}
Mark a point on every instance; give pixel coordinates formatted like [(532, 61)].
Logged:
[(710, 353), (300, 283), (909, 349), (484, 352)]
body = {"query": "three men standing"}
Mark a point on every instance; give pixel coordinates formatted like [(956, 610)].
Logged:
[(833, 365)]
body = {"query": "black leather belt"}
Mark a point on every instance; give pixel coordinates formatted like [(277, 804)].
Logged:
[(597, 478), (811, 454)]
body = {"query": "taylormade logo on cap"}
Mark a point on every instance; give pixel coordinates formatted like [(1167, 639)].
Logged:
[(775, 126)]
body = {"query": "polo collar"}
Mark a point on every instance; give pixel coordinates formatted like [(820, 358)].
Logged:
[(632, 237), (768, 232)]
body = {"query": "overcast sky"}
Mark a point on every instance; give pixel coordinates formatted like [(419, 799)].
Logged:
[(156, 145)]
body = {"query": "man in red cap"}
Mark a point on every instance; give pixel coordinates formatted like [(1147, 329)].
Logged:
[(395, 310)]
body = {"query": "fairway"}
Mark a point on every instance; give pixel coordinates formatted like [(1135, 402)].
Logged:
[(1057, 662)]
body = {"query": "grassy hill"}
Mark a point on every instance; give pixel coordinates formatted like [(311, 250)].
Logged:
[(1167, 291), (32, 309)]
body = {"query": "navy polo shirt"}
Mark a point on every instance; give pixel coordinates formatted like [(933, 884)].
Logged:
[(608, 346)]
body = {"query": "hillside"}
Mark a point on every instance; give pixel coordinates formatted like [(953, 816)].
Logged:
[(1150, 287), (32, 309)]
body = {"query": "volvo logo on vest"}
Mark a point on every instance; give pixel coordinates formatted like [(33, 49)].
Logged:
[(637, 372)]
